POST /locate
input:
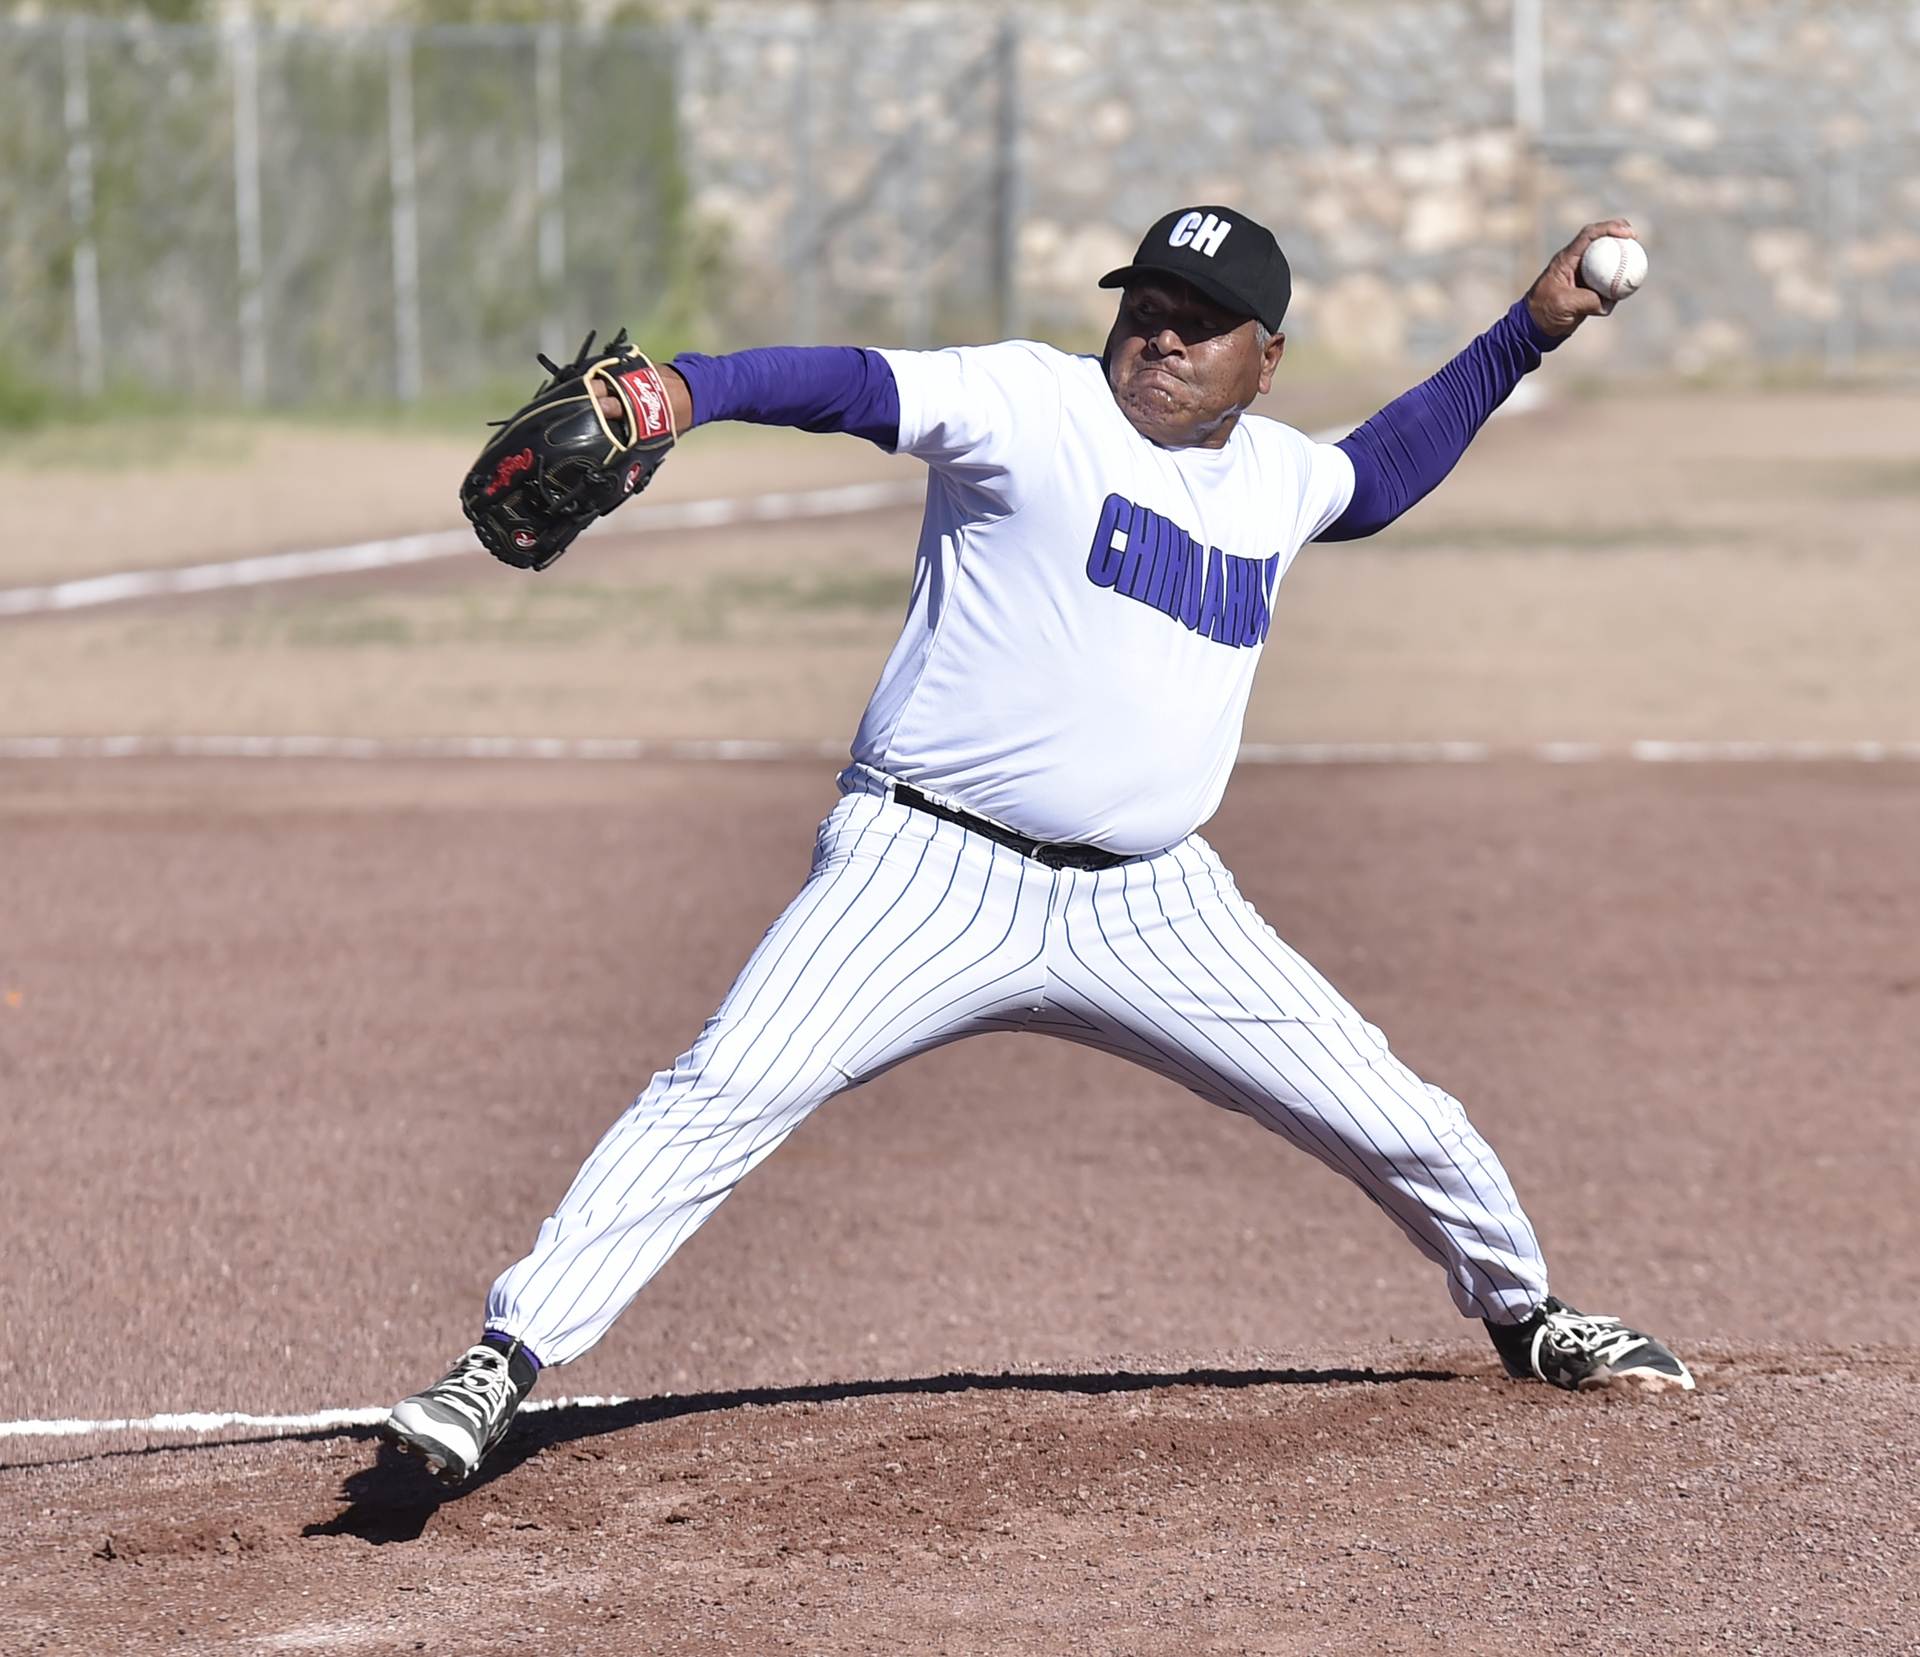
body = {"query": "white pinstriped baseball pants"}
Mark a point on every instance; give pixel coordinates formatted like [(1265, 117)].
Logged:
[(912, 932)]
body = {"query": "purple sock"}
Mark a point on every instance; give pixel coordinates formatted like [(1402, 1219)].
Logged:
[(517, 1356)]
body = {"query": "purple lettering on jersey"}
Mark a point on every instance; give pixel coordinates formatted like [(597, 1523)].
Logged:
[(1193, 584), (1214, 605), (1139, 578), (1166, 557), (1248, 612), (1138, 558), (1260, 612), (1143, 546), (1169, 571), (1103, 559), (1233, 622), (1151, 559)]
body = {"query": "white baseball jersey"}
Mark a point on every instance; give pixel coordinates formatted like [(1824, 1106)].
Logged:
[(1088, 608)]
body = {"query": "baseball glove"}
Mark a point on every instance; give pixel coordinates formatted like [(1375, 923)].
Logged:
[(559, 463)]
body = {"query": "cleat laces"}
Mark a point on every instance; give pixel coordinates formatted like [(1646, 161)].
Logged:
[(1574, 1350), (1604, 1339), (480, 1377)]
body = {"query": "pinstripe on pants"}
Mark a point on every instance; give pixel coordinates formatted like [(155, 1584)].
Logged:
[(912, 932)]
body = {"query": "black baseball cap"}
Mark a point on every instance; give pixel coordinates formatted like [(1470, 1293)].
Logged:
[(1226, 255)]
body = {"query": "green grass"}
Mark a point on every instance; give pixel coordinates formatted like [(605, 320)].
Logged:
[(43, 431), (25, 404)]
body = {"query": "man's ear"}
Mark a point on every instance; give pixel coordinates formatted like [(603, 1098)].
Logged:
[(1106, 351), (1270, 360)]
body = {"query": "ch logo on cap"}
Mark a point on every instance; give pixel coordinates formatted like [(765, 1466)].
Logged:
[(1204, 232)]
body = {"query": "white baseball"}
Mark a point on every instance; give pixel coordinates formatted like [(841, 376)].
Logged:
[(1613, 266)]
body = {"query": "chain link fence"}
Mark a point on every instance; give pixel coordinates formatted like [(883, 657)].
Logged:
[(859, 172), (296, 216)]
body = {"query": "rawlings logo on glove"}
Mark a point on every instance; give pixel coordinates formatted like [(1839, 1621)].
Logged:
[(510, 468), (646, 400), (559, 463)]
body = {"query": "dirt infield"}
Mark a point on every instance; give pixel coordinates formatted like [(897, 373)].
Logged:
[(1015, 1350)]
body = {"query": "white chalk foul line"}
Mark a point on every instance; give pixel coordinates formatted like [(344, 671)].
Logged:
[(1365, 753), (643, 516), (197, 1424), (239, 572), (638, 518), (1569, 753), (1683, 753), (431, 747), (635, 748)]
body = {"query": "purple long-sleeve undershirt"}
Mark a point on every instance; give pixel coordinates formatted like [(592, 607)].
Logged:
[(818, 388), (1403, 452), (1398, 456)]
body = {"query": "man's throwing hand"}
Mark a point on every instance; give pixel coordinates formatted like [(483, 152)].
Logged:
[(1557, 300)]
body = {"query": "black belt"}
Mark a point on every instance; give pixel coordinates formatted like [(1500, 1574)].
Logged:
[(1051, 853)]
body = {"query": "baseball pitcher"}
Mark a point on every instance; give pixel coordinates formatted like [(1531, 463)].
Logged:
[(1017, 844)]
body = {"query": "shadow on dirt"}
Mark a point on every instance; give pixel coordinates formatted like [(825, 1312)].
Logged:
[(393, 1500)]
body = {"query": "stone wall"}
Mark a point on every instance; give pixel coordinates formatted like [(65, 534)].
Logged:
[(1768, 151)]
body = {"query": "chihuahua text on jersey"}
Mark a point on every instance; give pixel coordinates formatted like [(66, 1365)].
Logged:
[(1144, 556)]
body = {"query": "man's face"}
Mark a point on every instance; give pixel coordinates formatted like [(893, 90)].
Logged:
[(1184, 368)]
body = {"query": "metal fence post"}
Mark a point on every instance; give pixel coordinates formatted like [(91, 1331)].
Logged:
[(1529, 121), (916, 308), (406, 217), (1006, 182), (244, 53), (802, 225), (87, 343), (1843, 229), (550, 174), (1529, 68)]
